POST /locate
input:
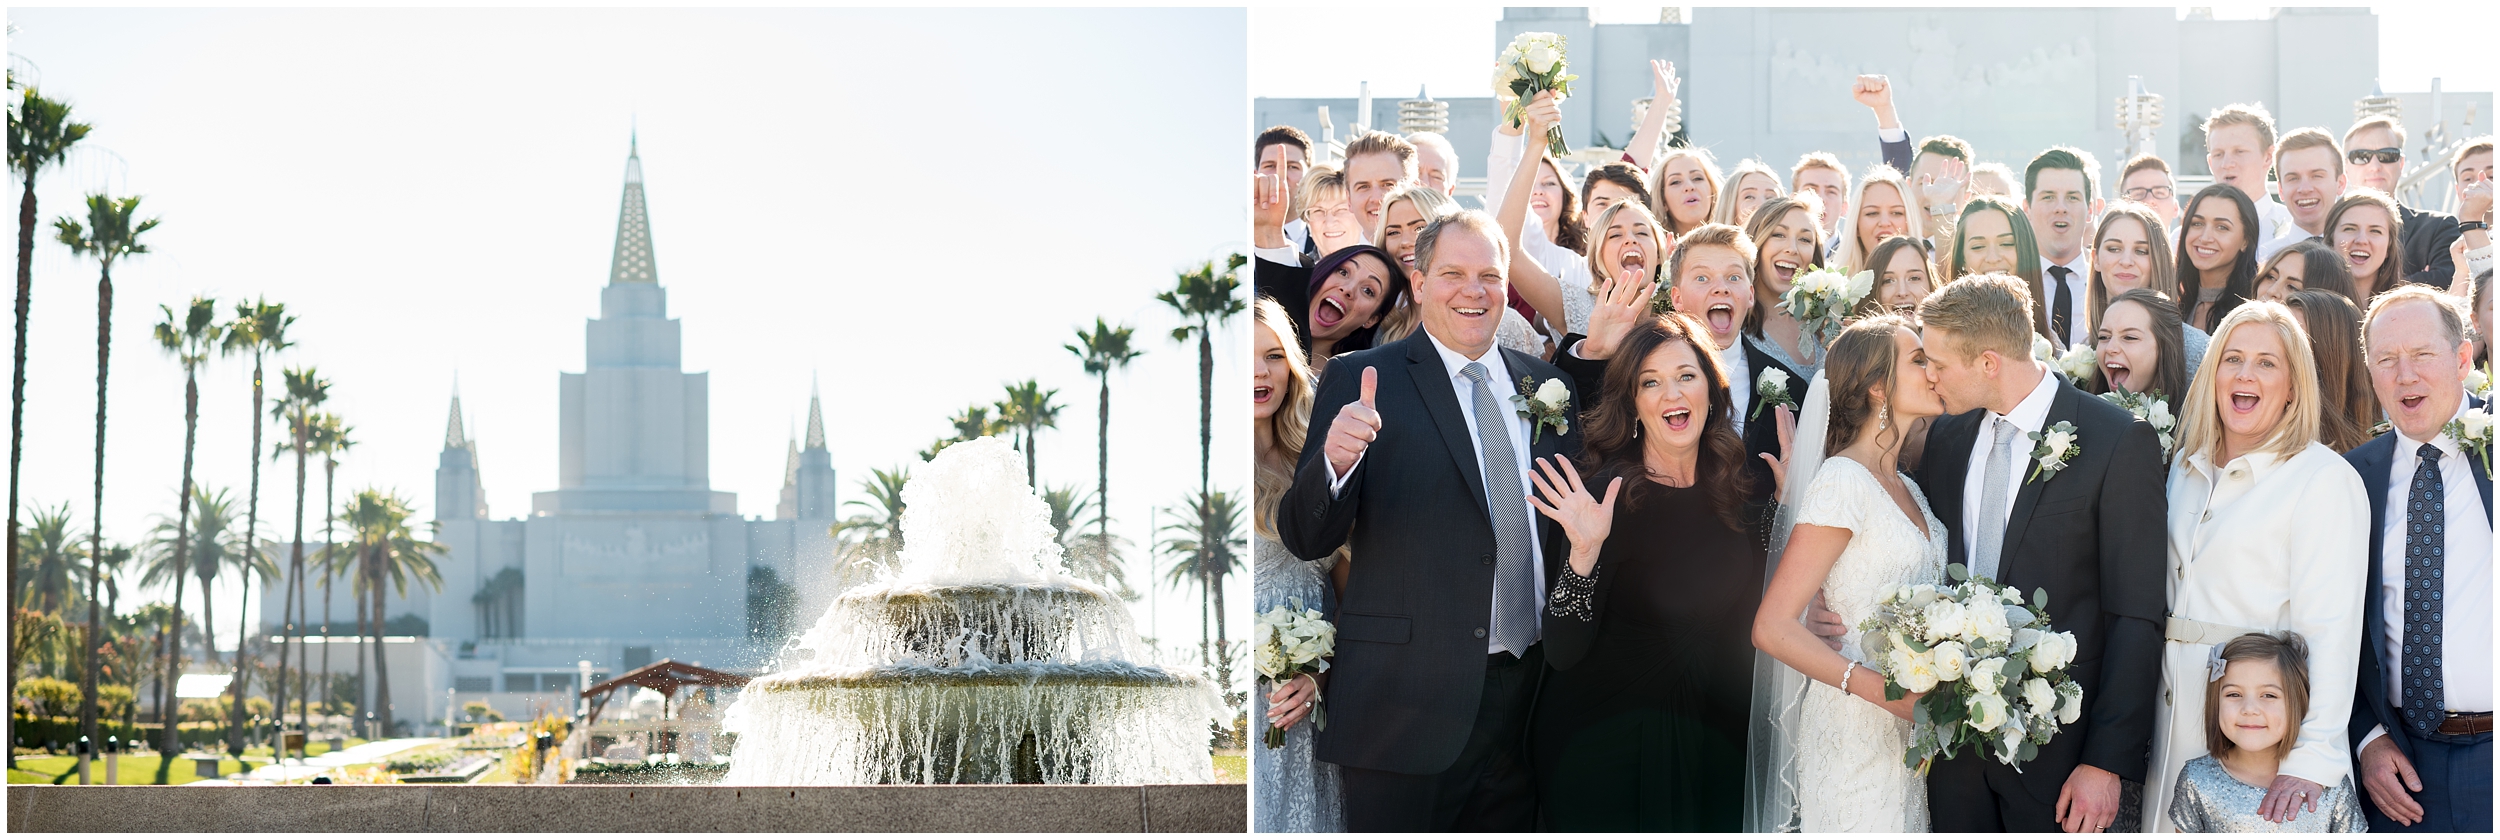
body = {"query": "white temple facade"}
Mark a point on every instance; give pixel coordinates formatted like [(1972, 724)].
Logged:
[(633, 557)]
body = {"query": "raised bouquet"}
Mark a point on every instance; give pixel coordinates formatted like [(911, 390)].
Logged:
[(1993, 673), (1293, 641), (2078, 363), (1532, 63), (1821, 298), (2152, 408)]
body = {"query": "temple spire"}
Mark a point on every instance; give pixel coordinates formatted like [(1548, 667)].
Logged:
[(454, 434), (631, 262), (815, 418)]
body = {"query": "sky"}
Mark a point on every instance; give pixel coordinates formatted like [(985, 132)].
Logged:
[(907, 208), (1448, 49)]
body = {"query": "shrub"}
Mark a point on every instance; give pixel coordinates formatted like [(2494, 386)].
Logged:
[(51, 697)]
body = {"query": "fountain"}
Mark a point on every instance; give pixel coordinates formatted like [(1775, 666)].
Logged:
[(976, 661)]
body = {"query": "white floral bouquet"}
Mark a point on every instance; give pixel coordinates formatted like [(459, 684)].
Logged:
[(1293, 641), (2078, 363), (2154, 409), (1821, 298), (1992, 672), (1532, 63)]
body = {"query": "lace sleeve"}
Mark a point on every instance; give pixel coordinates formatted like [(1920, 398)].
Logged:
[(1834, 500)]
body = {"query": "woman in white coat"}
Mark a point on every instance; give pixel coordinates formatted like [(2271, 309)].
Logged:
[(2266, 534)]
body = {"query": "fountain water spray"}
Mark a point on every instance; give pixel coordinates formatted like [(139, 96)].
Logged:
[(976, 661)]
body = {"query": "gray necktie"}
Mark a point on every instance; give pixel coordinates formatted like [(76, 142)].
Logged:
[(1514, 575), (1992, 502)]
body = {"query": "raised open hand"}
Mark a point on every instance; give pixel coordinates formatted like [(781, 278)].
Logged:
[(1788, 440), (1356, 426), (1586, 519), (1662, 83), (1620, 306)]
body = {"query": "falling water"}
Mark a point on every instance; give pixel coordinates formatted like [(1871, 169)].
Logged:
[(976, 662)]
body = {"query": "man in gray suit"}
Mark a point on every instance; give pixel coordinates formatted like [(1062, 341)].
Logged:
[(1424, 473)]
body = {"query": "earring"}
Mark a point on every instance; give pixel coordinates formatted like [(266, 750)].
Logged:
[(1636, 430), (1883, 418)]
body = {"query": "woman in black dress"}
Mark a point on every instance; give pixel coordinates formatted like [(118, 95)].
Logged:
[(1641, 726)]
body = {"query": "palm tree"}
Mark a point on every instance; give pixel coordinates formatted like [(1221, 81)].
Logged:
[(258, 329), (110, 233), (40, 135), (1207, 298), (387, 551), (1209, 545), (182, 550), (1028, 408), (1104, 350), (972, 423), (877, 534), (188, 338), (1087, 557), (329, 438), (305, 390), (49, 549)]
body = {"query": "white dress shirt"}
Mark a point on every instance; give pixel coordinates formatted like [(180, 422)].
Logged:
[(2030, 415), (1740, 383), (2272, 220), (2078, 284), (1499, 379), (2465, 579), (2264, 543), (2285, 236), (1298, 232)]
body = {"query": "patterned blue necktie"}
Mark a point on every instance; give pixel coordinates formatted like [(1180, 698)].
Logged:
[(2426, 540)]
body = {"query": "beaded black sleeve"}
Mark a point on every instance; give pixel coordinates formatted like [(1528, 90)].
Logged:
[(1574, 596)]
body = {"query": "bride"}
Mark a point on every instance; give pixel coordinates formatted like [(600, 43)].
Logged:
[(1822, 723)]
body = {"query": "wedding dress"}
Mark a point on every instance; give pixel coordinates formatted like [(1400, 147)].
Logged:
[(1296, 792), (1818, 759), (1849, 753)]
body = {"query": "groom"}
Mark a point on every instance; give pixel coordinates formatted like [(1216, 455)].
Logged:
[(1425, 474), (2092, 533)]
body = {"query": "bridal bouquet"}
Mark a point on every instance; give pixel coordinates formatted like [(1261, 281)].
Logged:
[(1993, 672), (1820, 298), (1532, 63), (1293, 641), (2078, 363), (2153, 409)]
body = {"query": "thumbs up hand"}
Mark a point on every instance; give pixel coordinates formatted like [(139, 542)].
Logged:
[(1356, 426)]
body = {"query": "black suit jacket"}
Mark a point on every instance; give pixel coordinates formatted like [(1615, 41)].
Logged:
[(2096, 536), (1762, 433), (1411, 623), (2424, 240), (2371, 706)]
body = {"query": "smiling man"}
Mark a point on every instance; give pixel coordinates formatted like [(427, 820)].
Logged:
[(2375, 149), (1424, 472), (2309, 169), (1376, 164), (2059, 198)]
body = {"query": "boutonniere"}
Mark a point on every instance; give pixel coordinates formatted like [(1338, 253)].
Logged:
[(2055, 446), (1544, 405), (1770, 389), (2472, 431)]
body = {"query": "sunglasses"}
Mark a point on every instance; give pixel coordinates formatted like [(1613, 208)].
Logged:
[(2390, 154)]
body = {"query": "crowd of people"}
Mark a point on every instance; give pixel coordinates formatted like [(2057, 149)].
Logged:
[(2260, 503)]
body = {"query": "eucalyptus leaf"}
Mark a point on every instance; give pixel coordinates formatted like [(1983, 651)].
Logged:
[(1958, 572)]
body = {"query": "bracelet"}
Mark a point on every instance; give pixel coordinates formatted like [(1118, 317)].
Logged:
[(2466, 226), (1844, 676)]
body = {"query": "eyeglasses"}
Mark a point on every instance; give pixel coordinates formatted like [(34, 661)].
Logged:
[(2149, 194), (2360, 157)]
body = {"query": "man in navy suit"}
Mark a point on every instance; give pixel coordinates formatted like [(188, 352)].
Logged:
[(2421, 723)]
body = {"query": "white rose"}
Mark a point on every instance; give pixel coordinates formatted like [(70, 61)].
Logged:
[(1988, 624), (1553, 393), (2159, 415), (1944, 619), (2053, 651), (2058, 441), (2012, 736), (1987, 711), (2039, 695), (1986, 675), (2478, 381), (1541, 59), (2477, 424), (1948, 657), (1915, 672), (2041, 349), (1772, 379), (2070, 702)]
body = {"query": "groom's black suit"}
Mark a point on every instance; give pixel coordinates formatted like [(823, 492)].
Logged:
[(2096, 536), (1425, 723)]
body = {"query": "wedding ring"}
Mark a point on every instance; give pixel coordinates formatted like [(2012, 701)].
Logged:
[(1306, 704)]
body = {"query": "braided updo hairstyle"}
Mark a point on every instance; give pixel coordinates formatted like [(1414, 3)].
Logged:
[(1861, 361)]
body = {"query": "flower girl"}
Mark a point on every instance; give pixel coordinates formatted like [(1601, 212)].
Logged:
[(2257, 691)]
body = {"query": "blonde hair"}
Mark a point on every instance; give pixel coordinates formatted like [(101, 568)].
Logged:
[(2162, 279), (1983, 312), (1853, 253), (1599, 273), (1658, 184), (1378, 142), (1723, 236), (2290, 655), (1723, 210), (1317, 184), (2395, 130), (2004, 175), (1290, 426), (2310, 138), (1402, 318), (2200, 421), (1818, 160), (2247, 114)]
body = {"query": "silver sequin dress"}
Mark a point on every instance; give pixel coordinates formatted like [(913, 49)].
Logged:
[(1295, 791), (2208, 799)]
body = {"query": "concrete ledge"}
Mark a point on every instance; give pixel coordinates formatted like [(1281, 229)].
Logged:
[(621, 808)]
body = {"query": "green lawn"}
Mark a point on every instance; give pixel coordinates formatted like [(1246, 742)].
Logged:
[(1232, 767), (135, 770)]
